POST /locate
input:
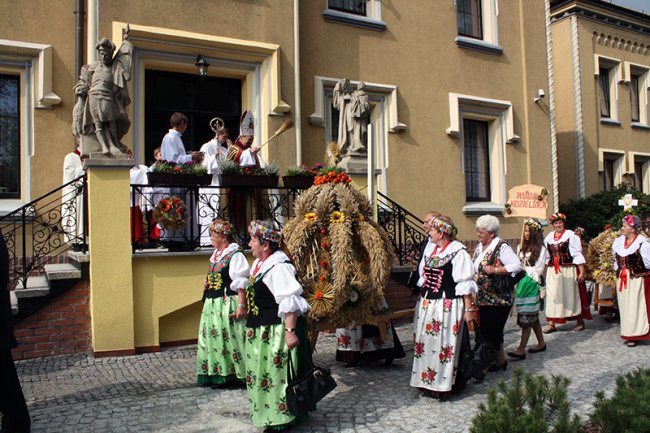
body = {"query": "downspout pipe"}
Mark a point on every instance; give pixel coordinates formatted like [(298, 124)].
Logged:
[(93, 18), (296, 81), (551, 96), (79, 37)]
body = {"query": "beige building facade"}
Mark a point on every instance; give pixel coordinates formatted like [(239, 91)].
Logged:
[(460, 90), (601, 72)]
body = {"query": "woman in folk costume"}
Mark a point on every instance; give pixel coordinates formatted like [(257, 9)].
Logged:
[(275, 326), (632, 263), (566, 294), (531, 253), (493, 258), (367, 343), (446, 303), (220, 353)]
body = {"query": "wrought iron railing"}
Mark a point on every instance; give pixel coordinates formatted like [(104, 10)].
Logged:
[(204, 203), (45, 228), (404, 229)]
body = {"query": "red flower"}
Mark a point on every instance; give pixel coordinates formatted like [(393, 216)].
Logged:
[(164, 205), (322, 278), (323, 231), (323, 244), (282, 407), (431, 375), (265, 383), (608, 226), (419, 348), (323, 263), (276, 360)]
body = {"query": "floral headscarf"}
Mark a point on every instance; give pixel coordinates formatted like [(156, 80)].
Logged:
[(258, 229)]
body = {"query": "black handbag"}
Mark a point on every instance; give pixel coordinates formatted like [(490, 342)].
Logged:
[(483, 355), (303, 393)]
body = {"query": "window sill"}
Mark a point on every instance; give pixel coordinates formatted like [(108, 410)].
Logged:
[(353, 20), (637, 125), (483, 207), (611, 122), (478, 44)]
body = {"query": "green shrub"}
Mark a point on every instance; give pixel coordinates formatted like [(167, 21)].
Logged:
[(597, 210), (628, 410), (530, 404)]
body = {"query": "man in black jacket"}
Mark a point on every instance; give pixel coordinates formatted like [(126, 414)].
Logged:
[(15, 417)]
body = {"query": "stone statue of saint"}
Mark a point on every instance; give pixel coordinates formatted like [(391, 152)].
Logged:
[(354, 116), (99, 115)]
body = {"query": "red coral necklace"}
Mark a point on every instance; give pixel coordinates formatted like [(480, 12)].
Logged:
[(628, 242)]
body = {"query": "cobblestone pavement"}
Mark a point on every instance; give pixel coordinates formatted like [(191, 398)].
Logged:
[(156, 392)]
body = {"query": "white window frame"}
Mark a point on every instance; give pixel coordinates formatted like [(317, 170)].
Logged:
[(615, 76), (33, 63), (371, 21), (619, 158), (257, 64), (490, 20), (643, 72), (499, 115), (631, 168)]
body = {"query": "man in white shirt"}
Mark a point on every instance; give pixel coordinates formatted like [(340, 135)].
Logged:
[(72, 219), (215, 152), (172, 148)]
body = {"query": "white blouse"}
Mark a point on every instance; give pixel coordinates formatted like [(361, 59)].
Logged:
[(507, 256), (535, 270), (428, 249), (575, 247), (281, 281), (238, 270), (640, 243), (462, 268), (211, 160)]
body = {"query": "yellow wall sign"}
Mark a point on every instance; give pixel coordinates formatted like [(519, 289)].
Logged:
[(527, 201)]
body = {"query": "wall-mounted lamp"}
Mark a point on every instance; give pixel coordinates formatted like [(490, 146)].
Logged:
[(540, 95), (202, 66)]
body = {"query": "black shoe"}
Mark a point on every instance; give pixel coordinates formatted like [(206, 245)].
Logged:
[(533, 350), (516, 355), (495, 367)]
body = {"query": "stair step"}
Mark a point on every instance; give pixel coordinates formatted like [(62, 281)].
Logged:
[(36, 286), (14, 302), (62, 271), (78, 256)]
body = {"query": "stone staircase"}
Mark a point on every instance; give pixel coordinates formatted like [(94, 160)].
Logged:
[(41, 288)]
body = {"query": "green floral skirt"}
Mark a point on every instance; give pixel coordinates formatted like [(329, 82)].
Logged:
[(220, 352), (267, 371)]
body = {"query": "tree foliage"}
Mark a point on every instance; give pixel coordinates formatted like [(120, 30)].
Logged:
[(628, 410), (530, 404), (596, 211)]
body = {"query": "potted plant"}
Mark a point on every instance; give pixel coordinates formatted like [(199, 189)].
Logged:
[(301, 177), (171, 173), (233, 175)]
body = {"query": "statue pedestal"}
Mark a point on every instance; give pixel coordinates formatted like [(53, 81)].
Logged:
[(89, 145), (354, 164)]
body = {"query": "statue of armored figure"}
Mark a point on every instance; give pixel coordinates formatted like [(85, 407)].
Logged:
[(354, 116), (99, 115)]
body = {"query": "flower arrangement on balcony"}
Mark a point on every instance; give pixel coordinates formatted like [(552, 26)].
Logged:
[(233, 175), (302, 176), (170, 212), (172, 173)]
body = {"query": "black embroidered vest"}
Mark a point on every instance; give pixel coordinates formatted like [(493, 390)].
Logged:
[(633, 263), (223, 268), (560, 250), (266, 311), (438, 279)]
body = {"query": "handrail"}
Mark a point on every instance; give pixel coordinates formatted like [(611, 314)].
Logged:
[(45, 228), (403, 228), (203, 203)]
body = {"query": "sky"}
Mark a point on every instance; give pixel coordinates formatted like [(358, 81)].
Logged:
[(638, 5)]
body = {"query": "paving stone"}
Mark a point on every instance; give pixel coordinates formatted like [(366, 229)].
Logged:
[(157, 391)]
